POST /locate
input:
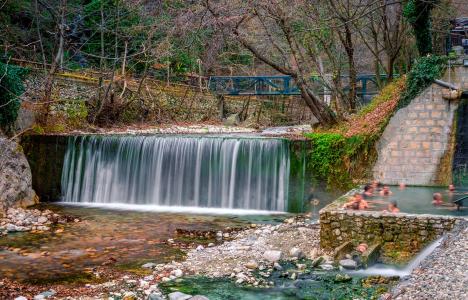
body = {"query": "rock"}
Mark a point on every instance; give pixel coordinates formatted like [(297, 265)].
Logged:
[(42, 220), (39, 297), (316, 262), (11, 228), (149, 265), (327, 267), (21, 298), (272, 255), (177, 273), (296, 252), (211, 245), (342, 278), (277, 266), (48, 293), (313, 253), (129, 296), (293, 276), (348, 264), (200, 248), (251, 265), (154, 296), (199, 297), (178, 296), (15, 177)]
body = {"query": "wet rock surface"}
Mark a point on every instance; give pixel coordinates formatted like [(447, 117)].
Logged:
[(15, 177), (443, 274)]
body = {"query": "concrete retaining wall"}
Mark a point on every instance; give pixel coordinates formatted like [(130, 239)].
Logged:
[(418, 138)]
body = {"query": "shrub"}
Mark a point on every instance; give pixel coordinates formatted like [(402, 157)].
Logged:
[(11, 87)]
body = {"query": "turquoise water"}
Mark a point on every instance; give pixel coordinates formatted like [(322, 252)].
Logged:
[(418, 200)]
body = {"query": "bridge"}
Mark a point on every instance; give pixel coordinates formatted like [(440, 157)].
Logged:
[(281, 85)]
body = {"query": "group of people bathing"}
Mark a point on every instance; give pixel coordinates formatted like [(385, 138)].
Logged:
[(437, 199), (371, 193), (364, 200)]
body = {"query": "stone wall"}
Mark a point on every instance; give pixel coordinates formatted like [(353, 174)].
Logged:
[(418, 138), (401, 235)]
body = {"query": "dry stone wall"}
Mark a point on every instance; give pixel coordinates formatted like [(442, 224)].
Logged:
[(418, 137), (400, 234)]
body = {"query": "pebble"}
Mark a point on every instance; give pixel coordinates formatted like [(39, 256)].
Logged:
[(21, 298), (129, 296), (149, 265)]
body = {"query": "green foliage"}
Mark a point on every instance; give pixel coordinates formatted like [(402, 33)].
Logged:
[(334, 157), (418, 14), (11, 87), (424, 72)]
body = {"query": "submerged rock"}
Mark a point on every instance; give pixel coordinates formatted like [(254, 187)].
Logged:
[(316, 262)]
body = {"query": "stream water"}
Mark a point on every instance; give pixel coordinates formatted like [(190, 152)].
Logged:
[(125, 238)]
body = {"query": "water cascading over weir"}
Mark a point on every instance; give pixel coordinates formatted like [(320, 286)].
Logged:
[(219, 172)]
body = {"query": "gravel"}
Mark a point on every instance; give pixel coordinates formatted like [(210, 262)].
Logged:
[(443, 274), (258, 247)]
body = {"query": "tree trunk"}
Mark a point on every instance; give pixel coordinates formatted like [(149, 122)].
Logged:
[(321, 111)]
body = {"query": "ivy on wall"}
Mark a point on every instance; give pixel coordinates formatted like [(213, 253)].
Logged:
[(338, 159), (423, 73)]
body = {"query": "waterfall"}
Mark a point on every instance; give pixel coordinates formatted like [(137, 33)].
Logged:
[(196, 171)]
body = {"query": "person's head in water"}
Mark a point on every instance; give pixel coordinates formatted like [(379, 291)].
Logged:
[(437, 199), (451, 187), (402, 186), (368, 190), (385, 191), (393, 207)]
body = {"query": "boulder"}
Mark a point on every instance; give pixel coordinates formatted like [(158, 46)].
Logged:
[(348, 264), (15, 177), (178, 296), (199, 297), (272, 255)]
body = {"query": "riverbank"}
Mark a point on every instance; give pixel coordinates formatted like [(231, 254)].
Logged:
[(256, 259), (443, 274)]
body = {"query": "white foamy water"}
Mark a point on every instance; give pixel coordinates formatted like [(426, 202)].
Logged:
[(173, 209), (387, 270), (162, 171)]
